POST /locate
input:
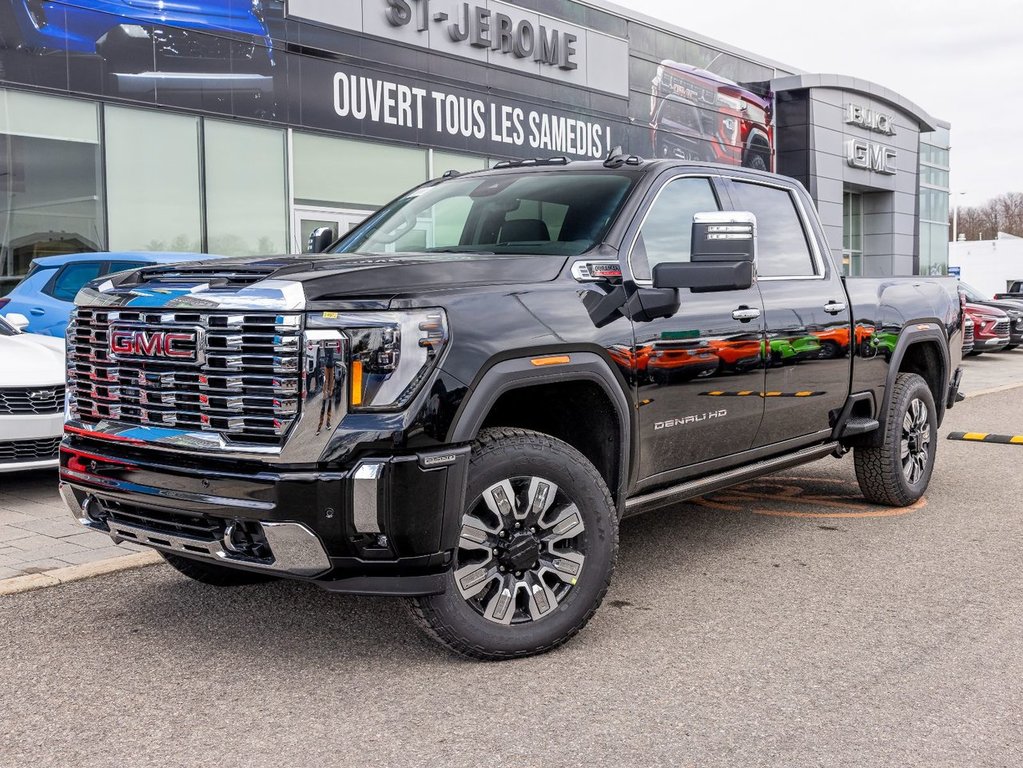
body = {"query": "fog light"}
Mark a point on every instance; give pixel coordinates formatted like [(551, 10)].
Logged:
[(93, 510), (246, 538)]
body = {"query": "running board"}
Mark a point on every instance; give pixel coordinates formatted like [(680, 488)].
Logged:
[(676, 493)]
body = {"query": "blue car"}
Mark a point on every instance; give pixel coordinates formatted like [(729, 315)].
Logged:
[(46, 295), (196, 48)]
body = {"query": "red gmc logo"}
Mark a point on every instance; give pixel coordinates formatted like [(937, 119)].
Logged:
[(173, 345)]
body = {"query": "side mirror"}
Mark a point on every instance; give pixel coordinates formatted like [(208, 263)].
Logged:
[(320, 239), (722, 255), (18, 320)]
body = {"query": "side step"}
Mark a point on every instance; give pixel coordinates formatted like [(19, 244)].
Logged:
[(692, 488), (859, 426)]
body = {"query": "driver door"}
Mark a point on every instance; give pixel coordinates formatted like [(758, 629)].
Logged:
[(700, 393)]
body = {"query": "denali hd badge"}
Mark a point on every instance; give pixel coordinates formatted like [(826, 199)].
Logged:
[(686, 420), (133, 343)]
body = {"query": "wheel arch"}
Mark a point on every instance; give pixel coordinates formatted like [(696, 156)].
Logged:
[(577, 401), (922, 349)]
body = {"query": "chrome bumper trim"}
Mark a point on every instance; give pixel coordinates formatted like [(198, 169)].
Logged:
[(295, 549), (366, 483)]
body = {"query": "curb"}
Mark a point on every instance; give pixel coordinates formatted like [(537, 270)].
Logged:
[(994, 390), (33, 581)]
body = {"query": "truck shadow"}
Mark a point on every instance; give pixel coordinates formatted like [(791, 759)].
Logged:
[(661, 549)]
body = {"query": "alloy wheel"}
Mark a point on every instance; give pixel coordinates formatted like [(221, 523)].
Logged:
[(916, 441), (521, 550)]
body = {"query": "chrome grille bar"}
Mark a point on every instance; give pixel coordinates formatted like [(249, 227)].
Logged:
[(243, 383)]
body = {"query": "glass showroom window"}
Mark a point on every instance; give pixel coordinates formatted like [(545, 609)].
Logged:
[(153, 193), (852, 234), (341, 172), (51, 195), (246, 189)]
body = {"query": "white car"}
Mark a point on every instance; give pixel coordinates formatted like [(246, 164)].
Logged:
[(31, 397)]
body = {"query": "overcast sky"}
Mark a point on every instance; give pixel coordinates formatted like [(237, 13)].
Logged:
[(961, 62)]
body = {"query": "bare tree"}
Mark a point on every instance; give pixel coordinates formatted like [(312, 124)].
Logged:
[(1001, 214)]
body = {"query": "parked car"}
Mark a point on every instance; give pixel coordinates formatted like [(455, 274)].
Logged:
[(46, 295), (967, 335), (31, 397), (990, 328), (1013, 308)]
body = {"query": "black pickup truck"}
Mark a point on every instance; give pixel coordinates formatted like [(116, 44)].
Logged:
[(1015, 291), (462, 398)]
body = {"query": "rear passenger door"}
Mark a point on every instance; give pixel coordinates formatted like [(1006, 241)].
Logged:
[(700, 374), (809, 343)]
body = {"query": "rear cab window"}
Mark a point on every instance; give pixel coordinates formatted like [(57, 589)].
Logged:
[(783, 244)]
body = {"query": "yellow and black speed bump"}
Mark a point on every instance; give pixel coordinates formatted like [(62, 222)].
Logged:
[(984, 437), (754, 393)]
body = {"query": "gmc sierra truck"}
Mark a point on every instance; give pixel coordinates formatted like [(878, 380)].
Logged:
[(459, 401)]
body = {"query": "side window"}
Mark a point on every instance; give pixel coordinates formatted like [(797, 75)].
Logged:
[(71, 278), (782, 247), (667, 232)]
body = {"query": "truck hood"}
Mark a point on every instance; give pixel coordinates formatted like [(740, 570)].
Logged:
[(341, 276)]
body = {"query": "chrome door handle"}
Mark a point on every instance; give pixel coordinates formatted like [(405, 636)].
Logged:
[(745, 314), (834, 307)]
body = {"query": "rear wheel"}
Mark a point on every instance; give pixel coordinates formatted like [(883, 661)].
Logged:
[(213, 574), (536, 553), (896, 473)]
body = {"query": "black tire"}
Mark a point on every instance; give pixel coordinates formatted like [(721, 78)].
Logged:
[(829, 350), (537, 608), (897, 471), (213, 574), (1010, 347)]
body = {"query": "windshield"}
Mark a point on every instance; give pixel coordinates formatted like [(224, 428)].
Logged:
[(548, 213), (6, 329)]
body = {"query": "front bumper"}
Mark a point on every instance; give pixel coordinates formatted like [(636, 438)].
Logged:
[(28, 441), (378, 525)]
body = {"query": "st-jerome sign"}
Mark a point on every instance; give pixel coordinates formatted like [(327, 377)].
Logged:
[(493, 33), (481, 27)]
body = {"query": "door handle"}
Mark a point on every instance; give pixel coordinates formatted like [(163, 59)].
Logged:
[(744, 314), (834, 307), (37, 311)]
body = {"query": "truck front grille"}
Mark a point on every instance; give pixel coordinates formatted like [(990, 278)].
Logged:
[(32, 401), (233, 374)]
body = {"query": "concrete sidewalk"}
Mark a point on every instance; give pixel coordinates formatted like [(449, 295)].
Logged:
[(38, 534)]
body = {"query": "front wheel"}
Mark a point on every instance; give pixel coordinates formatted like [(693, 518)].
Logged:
[(897, 471), (537, 549)]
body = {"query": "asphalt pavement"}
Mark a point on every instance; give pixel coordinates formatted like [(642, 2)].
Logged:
[(784, 623)]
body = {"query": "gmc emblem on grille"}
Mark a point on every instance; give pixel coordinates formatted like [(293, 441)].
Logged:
[(182, 346)]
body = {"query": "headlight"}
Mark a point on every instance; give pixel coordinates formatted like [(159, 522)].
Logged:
[(389, 354)]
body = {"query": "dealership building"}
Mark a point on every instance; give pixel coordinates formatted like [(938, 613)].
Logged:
[(237, 128)]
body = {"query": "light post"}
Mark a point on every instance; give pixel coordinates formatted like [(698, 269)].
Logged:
[(955, 217)]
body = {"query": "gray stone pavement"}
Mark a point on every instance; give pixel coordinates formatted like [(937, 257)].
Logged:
[(38, 534)]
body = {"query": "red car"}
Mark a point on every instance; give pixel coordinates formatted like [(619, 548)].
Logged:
[(990, 328)]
